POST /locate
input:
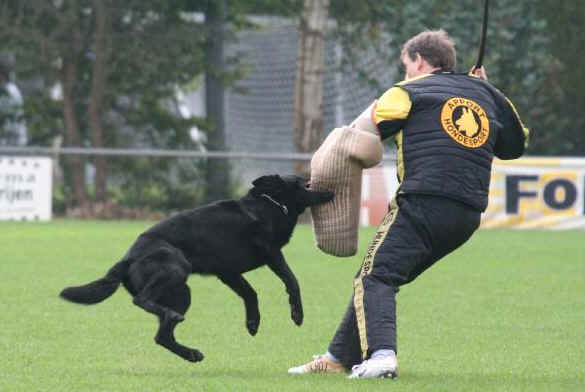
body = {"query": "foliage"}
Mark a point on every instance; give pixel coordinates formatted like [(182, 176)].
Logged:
[(560, 120), (154, 47), (11, 116), (530, 55), (151, 48)]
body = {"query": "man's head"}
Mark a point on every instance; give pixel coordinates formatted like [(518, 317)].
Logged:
[(427, 52)]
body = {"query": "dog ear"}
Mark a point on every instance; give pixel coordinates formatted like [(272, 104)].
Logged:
[(294, 179), (272, 183)]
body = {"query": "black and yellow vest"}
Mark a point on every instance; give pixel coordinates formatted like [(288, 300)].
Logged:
[(450, 135)]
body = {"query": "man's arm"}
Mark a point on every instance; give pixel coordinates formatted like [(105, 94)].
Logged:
[(390, 111), (513, 138)]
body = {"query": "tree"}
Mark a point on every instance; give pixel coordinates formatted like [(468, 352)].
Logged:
[(217, 173), (559, 123), (97, 90), (531, 53), (308, 124), (105, 74), (117, 66)]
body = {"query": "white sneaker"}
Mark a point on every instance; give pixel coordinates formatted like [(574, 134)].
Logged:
[(386, 367), (319, 364)]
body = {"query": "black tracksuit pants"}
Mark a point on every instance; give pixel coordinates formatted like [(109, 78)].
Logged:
[(417, 231)]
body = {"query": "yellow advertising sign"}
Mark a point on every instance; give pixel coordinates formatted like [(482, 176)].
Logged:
[(524, 193), (537, 193)]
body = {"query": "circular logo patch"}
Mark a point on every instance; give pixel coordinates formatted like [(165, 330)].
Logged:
[(465, 121)]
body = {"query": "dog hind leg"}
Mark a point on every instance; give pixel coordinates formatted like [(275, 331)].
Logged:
[(161, 272), (179, 300), (157, 285)]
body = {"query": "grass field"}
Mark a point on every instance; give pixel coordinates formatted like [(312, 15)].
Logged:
[(504, 313)]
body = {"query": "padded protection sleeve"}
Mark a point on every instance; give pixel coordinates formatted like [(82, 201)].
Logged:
[(337, 166)]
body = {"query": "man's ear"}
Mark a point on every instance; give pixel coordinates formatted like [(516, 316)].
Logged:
[(420, 62), (272, 183)]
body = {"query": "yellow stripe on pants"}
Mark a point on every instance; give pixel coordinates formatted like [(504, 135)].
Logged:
[(358, 285)]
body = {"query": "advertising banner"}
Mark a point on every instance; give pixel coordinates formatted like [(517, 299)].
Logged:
[(537, 193), (524, 193), (25, 188)]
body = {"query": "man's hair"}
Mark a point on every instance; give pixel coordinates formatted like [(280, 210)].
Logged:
[(436, 47)]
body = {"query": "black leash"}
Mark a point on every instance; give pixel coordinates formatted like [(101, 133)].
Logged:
[(483, 39)]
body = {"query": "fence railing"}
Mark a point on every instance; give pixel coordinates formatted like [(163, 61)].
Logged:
[(147, 152)]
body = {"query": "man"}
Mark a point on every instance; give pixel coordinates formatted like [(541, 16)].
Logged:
[(447, 129)]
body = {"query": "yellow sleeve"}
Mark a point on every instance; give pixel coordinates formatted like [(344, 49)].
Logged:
[(391, 111)]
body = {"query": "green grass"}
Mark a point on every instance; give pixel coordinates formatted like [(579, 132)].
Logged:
[(504, 313)]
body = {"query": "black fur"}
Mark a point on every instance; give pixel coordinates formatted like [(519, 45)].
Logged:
[(225, 239)]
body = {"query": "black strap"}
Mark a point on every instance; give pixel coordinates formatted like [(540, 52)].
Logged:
[(483, 39)]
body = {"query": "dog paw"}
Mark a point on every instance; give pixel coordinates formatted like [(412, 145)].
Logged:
[(195, 356), (252, 326), (296, 314)]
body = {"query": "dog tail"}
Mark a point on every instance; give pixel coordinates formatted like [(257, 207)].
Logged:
[(98, 290)]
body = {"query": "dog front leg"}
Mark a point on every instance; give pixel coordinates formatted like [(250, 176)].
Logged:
[(279, 266), (241, 287)]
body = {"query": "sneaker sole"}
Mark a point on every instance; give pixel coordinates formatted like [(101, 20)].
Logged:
[(390, 374)]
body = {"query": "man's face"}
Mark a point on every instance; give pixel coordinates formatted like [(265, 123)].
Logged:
[(411, 67)]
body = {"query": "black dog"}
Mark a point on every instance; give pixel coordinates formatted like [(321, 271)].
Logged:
[(225, 239)]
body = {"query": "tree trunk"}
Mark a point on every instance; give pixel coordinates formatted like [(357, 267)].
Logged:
[(308, 124), (96, 96), (217, 175), (69, 76)]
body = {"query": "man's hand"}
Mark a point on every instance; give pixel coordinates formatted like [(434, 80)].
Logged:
[(479, 72)]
